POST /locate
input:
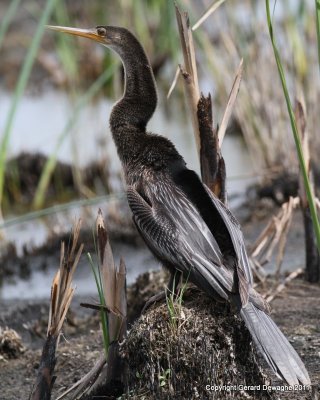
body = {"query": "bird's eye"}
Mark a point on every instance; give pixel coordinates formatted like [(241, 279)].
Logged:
[(101, 31)]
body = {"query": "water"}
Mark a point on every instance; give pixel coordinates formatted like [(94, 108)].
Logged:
[(37, 286), (37, 128), (41, 119)]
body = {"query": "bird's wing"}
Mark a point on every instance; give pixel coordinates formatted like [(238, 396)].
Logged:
[(236, 235), (242, 262), (174, 230), (222, 224)]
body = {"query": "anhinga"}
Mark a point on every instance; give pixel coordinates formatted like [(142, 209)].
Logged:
[(185, 226)]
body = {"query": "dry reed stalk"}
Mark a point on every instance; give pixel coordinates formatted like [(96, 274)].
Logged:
[(208, 140), (257, 270), (174, 82), (61, 296), (312, 252), (211, 9), (114, 282), (287, 219), (282, 286), (189, 72), (231, 102), (213, 171), (110, 373), (274, 235)]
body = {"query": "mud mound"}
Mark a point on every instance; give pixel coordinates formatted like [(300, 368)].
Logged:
[(180, 355)]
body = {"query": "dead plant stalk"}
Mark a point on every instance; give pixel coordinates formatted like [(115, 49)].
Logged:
[(61, 296)]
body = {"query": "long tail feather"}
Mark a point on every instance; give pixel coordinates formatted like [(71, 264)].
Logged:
[(274, 346)]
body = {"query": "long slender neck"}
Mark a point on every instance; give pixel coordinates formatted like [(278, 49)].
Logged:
[(139, 101)]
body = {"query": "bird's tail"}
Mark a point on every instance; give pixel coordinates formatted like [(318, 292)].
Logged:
[(274, 346)]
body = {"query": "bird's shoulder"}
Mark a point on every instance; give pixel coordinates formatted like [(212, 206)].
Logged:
[(159, 153)]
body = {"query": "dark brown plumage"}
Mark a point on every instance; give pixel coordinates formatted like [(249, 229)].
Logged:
[(186, 227)]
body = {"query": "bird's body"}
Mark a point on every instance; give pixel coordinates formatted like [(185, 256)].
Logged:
[(185, 226)]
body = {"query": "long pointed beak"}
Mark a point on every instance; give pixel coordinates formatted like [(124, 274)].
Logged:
[(87, 33)]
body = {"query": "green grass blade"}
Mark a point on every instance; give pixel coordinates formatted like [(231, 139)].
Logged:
[(318, 26), (65, 45), (22, 82), (103, 316), (95, 277), (49, 167), (183, 289), (295, 132), (7, 19)]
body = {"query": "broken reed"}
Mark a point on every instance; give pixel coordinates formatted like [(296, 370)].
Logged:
[(62, 292), (111, 286), (307, 183)]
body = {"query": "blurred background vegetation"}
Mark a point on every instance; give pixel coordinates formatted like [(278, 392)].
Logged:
[(36, 61)]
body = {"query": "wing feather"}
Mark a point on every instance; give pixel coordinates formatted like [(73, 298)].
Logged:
[(236, 235), (177, 235)]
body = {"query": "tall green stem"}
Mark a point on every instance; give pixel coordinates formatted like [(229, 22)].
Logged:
[(295, 132)]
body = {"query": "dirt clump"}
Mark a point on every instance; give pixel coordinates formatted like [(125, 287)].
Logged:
[(10, 344), (178, 353), (167, 354)]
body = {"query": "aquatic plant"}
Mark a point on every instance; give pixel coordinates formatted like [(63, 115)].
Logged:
[(20, 87), (307, 183), (39, 197), (174, 305), (103, 316)]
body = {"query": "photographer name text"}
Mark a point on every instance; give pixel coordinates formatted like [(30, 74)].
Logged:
[(267, 388)]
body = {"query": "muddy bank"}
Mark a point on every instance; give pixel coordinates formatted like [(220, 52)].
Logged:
[(24, 171), (296, 311), (177, 354)]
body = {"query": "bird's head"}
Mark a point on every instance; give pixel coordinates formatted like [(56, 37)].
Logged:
[(110, 36)]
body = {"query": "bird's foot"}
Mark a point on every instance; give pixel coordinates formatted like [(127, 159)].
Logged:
[(154, 299)]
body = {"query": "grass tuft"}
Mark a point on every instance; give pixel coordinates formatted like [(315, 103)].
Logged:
[(174, 305)]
